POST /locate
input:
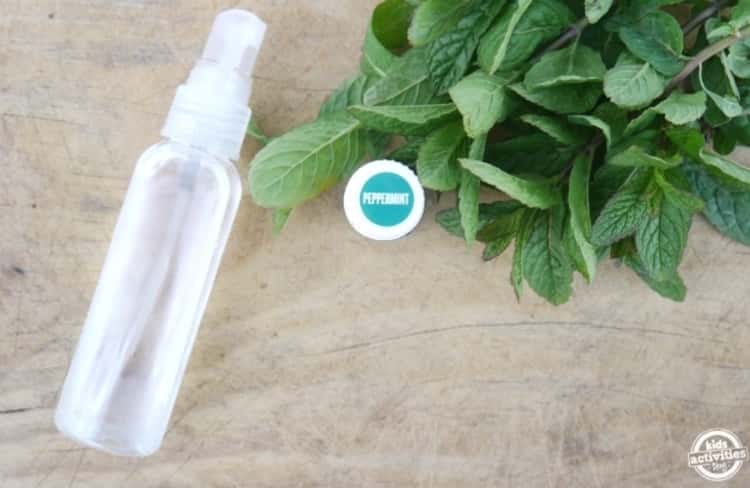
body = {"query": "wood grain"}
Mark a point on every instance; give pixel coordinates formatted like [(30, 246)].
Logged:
[(326, 360)]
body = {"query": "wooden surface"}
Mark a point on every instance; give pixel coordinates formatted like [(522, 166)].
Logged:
[(326, 360)]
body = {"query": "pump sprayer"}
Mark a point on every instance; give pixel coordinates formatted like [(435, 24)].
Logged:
[(124, 378)]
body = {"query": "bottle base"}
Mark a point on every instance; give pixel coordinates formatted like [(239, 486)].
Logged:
[(102, 441)]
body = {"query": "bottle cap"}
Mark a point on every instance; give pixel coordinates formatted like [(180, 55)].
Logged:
[(384, 200), (210, 109)]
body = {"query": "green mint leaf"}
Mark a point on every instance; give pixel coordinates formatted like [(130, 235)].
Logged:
[(433, 18), (519, 31), (661, 237), (351, 92), (725, 166), (726, 207), (306, 161), (596, 9), (633, 84), (687, 140), (546, 266), (408, 120), (527, 219), (678, 196), (597, 123), (739, 59), (729, 104), (572, 65), (376, 58), (406, 82), (408, 152), (671, 287), (437, 164), (606, 183), (254, 131), (622, 214), (562, 132), (580, 214), (682, 108), (564, 99), (450, 55), (495, 220), (483, 102), (656, 39), (642, 122), (468, 206), (530, 193), (636, 157), (725, 141), (390, 23), (536, 154), (495, 248), (740, 14), (280, 217)]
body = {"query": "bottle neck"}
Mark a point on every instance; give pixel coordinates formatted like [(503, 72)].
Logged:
[(210, 110)]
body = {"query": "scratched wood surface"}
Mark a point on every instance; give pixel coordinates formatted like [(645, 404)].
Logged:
[(326, 360)]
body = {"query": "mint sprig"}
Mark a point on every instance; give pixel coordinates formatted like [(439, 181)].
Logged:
[(604, 127)]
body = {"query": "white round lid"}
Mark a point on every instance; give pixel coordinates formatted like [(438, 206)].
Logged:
[(384, 200)]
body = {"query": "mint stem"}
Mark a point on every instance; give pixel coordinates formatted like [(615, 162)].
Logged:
[(573, 32), (707, 53), (699, 19)]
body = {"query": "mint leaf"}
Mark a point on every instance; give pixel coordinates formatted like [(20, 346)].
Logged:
[(671, 287), (725, 166), (739, 59), (390, 23), (562, 132), (527, 219), (728, 104), (483, 102), (433, 18), (546, 266), (468, 206), (678, 196), (351, 92), (535, 154), (661, 237), (596, 9), (632, 83), (682, 108), (449, 56), (687, 140), (572, 65), (656, 39), (530, 193), (407, 120), (306, 161), (636, 157), (437, 165), (595, 122), (519, 31), (406, 82), (622, 214), (254, 131), (280, 217), (563, 99), (580, 214), (726, 207)]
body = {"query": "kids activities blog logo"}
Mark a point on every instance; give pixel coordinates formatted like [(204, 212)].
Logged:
[(717, 455)]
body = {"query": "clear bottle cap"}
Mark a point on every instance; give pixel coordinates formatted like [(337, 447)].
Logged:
[(235, 41), (210, 109)]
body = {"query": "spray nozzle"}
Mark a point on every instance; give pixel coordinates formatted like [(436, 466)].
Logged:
[(235, 40)]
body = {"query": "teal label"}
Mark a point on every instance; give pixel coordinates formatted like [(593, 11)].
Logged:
[(387, 199)]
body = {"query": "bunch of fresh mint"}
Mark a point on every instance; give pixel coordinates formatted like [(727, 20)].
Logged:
[(603, 122)]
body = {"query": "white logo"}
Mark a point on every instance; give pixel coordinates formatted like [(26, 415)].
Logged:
[(717, 455)]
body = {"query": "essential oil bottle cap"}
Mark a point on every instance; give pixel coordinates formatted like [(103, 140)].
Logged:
[(384, 200)]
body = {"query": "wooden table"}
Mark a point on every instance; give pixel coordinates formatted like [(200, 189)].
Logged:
[(326, 360)]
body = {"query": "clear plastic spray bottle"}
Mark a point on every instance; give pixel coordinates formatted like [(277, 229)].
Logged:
[(127, 369)]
